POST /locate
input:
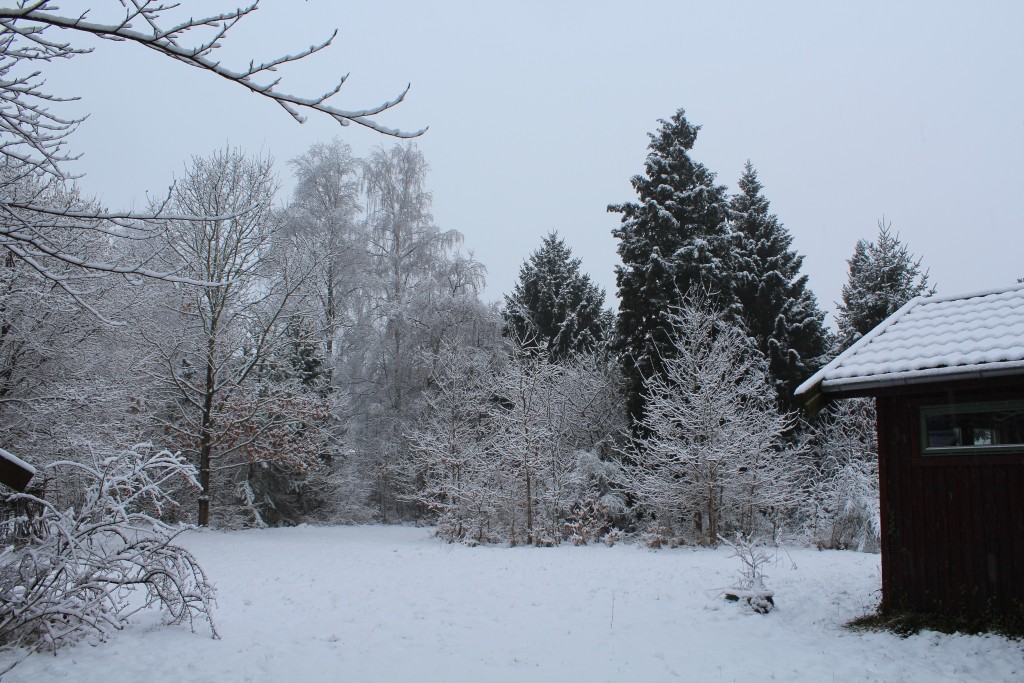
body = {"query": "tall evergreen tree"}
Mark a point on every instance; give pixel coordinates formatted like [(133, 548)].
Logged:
[(779, 312), (673, 240), (883, 277), (554, 306)]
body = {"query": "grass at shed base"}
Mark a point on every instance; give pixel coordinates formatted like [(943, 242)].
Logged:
[(906, 623)]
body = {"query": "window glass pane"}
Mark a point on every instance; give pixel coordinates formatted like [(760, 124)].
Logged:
[(970, 427)]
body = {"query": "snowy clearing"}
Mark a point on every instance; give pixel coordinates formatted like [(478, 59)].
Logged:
[(380, 603)]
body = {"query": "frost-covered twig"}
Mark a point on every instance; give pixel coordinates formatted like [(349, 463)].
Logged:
[(750, 590), (42, 224)]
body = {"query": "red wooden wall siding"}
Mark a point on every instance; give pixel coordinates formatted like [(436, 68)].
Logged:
[(952, 526)]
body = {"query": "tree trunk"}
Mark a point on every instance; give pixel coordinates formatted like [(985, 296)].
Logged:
[(206, 435), (712, 519), (529, 510)]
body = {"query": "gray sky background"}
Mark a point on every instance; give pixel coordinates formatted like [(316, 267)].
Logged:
[(539, 114)]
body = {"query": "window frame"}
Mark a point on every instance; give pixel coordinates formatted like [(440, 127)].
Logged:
[(968, 407)]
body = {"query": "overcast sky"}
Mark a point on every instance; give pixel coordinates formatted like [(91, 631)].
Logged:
[(539, 114)]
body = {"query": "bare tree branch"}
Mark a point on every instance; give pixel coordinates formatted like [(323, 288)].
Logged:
[(168, 42), (43, 223)]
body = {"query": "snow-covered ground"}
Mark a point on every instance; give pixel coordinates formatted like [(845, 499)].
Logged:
[(394, 604)]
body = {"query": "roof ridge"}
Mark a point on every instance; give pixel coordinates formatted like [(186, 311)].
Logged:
[(936, 298)]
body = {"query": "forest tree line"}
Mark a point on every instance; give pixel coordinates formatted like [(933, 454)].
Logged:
[(328, 358)]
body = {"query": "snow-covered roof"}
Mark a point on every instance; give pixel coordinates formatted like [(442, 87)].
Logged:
[(14, 471), (932, 339)]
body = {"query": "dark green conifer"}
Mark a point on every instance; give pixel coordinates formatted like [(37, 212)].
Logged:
[(554, 307), (778, 310), (673, 242), (883, 277)]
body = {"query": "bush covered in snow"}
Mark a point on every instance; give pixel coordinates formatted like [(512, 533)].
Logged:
[(750, 590), (839, 501), (74, 572), (516, 449)]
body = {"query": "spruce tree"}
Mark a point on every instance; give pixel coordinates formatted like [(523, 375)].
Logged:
[(673, 241), (555, 307), (883, 277), (304, 357), (779, 312)]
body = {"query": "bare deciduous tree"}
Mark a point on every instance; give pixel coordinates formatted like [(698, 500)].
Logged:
[(222, 335), (451, 454), (710, 444), (509, 446), (839, 507)]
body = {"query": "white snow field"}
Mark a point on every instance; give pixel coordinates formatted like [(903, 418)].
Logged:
[(383, 603)]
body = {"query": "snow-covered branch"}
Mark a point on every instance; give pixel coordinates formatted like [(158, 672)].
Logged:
[(67, 573), (30, 21), (44, 221)]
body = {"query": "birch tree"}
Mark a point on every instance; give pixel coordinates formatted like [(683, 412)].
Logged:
[(325, 212), (407, 250), (415, 280)]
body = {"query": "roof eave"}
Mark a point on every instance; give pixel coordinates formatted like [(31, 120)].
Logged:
[(838, 388)]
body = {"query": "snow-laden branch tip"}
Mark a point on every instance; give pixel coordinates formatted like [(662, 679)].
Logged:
[(45, 224), (29, 21)]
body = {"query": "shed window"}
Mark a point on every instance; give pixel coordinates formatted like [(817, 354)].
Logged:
[(972, 428)]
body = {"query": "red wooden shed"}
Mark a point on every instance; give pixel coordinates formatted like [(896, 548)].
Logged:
[(947, 374), (14, 471)]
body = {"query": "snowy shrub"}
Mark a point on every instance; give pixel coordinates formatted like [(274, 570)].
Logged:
[(839, 508), (750, 590), (596, 504), (76, 571), (449, 472), (549, 425), (517, 451), (612, 537), (335, 494), (654, 540)]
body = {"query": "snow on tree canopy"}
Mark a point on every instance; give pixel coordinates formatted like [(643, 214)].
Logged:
[(674, 239), (883, 276), (933, 337), (554, 306), (778, 309)]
